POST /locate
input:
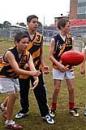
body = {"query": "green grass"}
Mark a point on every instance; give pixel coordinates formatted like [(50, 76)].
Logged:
[(63, 120)]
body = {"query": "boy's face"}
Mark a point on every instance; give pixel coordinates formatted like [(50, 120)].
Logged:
[(22, 44), (33, 24), (66, 29)]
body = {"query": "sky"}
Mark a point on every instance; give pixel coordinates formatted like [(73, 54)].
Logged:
[(17, 10)]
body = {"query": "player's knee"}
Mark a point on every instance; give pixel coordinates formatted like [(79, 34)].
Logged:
[(57, 89), (71, 90)]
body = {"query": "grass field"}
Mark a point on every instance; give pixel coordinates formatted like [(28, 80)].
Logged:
[(63, 121)]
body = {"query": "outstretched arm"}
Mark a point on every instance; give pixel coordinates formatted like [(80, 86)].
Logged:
[(13, 63), (32, 68)]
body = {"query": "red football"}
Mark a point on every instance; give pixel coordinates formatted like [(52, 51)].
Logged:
[(72, 58)]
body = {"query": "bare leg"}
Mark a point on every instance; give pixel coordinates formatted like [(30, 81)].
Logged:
[(57, 84), (10, 104)]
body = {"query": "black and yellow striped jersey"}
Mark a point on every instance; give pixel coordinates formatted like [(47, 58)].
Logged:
[(61, 46), (35, 48), (6, 70)]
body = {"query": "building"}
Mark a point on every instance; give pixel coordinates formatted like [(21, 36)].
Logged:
[(77, 9), (73, 9), (10, 32), (78, 17), (81, 9)]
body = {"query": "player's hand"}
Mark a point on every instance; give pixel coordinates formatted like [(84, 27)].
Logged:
[(35, 83), (45, 69), (35, 73), (63, 68)]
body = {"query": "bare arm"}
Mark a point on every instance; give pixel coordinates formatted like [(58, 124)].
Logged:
[(44, 67), (42, 56), (31, 64), (32, 67), (11, 59), (60, 66), (82, 66)]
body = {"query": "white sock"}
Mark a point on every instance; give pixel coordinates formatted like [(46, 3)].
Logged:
[(8, 122)]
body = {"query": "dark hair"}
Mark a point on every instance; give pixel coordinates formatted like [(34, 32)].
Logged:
[(30, 17), (19, 36), (62, 22)]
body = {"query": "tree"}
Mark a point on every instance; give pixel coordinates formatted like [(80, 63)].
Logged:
[(1, 25), (6, 24)]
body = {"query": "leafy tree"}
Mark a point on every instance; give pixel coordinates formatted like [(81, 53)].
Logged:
[(1, 25), (6, 24)]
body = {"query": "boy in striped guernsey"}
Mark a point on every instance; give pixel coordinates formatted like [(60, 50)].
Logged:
[(35, 47), (14, 64)]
